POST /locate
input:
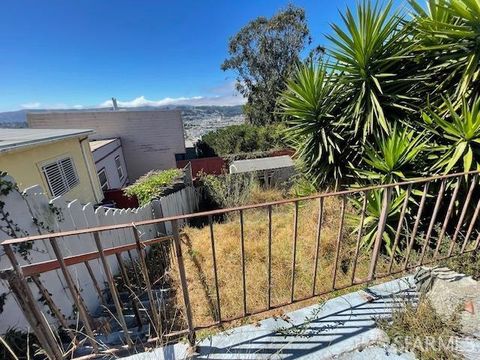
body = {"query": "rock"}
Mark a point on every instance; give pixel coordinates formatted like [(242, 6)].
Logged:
[(451, 293)]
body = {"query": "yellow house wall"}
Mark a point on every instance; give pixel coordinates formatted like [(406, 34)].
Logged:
[(25, 166)]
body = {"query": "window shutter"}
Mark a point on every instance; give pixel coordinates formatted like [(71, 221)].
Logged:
[(61, 176), (69, 172)]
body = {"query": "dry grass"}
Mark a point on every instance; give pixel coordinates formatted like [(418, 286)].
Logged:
[(199, 264), (420, 329)]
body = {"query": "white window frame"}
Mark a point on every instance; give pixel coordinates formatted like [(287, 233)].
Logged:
[(121, 174), (106, 178), (67, 185)]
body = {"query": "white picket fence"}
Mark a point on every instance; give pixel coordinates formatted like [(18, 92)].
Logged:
[(31, 213)]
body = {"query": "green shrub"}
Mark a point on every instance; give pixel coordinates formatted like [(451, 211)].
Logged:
[(152, 185), (242, 138), (229, 190)]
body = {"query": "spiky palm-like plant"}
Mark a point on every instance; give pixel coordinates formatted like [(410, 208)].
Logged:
[(372, 52), (312, 105), (392, 157), (373, 210), (450, 31), (457, 135)]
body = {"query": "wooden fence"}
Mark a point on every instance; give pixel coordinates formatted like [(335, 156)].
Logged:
[(31, 213)]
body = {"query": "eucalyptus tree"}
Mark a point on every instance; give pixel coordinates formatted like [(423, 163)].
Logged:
[(263, 54)]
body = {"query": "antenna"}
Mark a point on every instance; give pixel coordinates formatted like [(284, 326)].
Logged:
[(114, 104)]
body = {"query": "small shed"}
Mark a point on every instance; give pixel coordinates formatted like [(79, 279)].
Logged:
[(271, 170)]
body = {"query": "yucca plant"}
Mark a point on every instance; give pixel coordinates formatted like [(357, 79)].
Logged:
[(372, 51), (312, 106), (372, 216), (450, 31), (457, 135), (393, 157)]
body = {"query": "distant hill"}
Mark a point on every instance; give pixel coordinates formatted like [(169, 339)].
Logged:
[(197, 120), (19, 117)]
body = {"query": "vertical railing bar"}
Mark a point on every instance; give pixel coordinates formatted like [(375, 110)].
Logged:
[(183, 281), (128, 284), (432, 221), (294, 250), (95, 283), (399, 226), (462, 214), (113, 289), (359, 237), (472, 225), (447, 216), (477, 242), (269, 256), (55, 310), (215, 275), (75, 293), (242, 250), (146, 277), (339, 240), (416, 224), (381, 228), (135, 272), (317, 245), (27, 302)]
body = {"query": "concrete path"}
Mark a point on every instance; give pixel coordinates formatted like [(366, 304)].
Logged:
[(340, 328)]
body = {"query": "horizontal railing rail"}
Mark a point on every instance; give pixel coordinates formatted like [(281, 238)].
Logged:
[(356, 236), (233, 209)]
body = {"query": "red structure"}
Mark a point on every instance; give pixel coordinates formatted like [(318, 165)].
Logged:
[(120, 199), (211, 165)]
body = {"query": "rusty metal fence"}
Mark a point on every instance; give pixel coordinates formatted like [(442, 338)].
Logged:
[(382, 231)]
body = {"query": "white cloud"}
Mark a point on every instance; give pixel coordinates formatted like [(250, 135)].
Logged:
[(195, 100), (221, 95), (32, 105)]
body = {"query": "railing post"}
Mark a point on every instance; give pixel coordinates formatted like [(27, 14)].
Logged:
[(26, 301), (215, 275), (242, 254), (381, 227), (113, 289), (359, 236), (157, 321), (294, 251), (339, 242), (75, 293), (183, 281)]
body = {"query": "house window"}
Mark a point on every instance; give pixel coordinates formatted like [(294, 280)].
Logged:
[(119, 167), (102, 176), (61, 176)]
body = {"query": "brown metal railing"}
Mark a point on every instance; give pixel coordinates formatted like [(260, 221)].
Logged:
[(423, 211)]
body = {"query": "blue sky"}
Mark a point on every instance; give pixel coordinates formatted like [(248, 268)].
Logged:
[(58, 53)]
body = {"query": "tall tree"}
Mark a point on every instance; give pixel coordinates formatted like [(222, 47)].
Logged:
[(263, 53)]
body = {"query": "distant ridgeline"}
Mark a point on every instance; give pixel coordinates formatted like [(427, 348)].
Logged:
[(18, 119)]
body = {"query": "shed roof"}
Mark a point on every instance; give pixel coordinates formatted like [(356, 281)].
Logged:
[(268, 163), (13, 139), (97, 144)]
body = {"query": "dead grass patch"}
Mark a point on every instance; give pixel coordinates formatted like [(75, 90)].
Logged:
[(420, 329), (199, 263)]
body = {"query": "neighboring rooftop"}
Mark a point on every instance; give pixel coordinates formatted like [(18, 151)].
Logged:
[(13, 139), (97, 144), (268, 163)]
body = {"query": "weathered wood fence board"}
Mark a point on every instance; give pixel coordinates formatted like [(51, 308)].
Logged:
[(32, 213)]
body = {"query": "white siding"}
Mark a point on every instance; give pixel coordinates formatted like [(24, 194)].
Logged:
[(150, 139), (104, 158)]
